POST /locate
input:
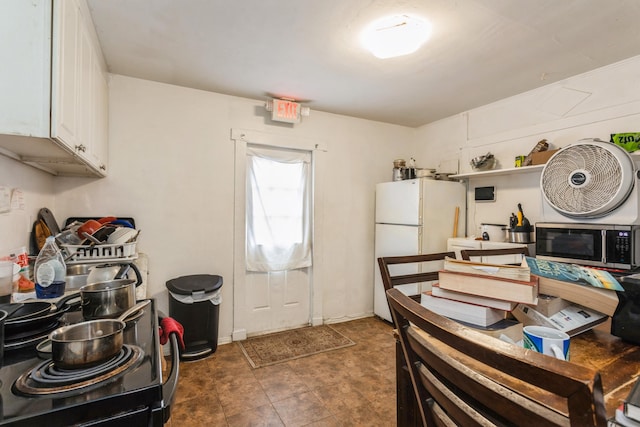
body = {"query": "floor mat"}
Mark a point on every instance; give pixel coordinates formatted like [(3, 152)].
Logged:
[(288, 345)]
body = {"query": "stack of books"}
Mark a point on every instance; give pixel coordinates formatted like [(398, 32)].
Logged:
[(481, 294), (628, 414), (500, 282), (567, 297)]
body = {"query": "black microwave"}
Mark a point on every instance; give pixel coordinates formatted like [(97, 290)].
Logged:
[(599, 245)]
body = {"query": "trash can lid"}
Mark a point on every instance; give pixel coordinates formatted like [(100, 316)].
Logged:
[(186, 285)]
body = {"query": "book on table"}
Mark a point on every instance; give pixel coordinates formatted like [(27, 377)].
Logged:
[(622, 420), (573, 273), (515, 272), (490, 286), (462, 311), (598, 299), (588, 287), (508, 330), (571, 320), (632, 402), (550, 305), (602, 300), (437, 291)]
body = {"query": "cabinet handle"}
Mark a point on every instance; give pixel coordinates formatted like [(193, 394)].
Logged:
[(81, 147)]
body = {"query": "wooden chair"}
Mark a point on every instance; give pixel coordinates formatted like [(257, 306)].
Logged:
[(390, 281), (406, 413), (461, 377), (500, 255)]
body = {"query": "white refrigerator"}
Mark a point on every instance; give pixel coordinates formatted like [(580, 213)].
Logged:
[(414, 216)]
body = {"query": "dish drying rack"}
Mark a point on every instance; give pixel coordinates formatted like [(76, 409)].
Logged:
[(82, 254)]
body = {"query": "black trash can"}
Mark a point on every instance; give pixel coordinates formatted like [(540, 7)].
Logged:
[(194, 301)]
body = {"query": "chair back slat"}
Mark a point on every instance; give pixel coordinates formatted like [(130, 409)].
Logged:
[(432, 262), (390, 281), (498, 255)]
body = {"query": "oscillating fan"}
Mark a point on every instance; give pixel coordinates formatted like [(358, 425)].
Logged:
[(587, 179)]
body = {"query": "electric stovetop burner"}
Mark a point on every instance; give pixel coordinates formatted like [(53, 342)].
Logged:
[(28, 339), (47, 378)]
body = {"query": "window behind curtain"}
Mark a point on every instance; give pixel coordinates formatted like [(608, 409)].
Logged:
[(278, 209)]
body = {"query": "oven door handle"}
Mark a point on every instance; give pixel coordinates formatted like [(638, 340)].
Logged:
[(170, 386)]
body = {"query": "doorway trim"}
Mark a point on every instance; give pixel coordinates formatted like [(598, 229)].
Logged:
[(242, 137)]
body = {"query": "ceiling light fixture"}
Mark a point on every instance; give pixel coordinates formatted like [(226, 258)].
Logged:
[(395, 35)]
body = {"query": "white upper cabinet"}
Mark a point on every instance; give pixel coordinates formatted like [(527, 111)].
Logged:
[(55, 116), (66, 72)]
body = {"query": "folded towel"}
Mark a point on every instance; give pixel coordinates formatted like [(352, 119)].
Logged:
[(169, 325)]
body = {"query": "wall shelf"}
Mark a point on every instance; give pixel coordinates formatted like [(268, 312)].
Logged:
[(498, 172), (510, 171)]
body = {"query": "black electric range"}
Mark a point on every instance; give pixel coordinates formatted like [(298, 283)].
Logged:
[(136, 395)]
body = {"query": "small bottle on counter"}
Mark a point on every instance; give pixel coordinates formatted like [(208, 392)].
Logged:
[(50, 271)]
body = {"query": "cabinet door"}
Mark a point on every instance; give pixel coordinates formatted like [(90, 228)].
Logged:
[(65, 81), (94, 97), (84, 129), (101, 117), (80, 94), (25, 46)]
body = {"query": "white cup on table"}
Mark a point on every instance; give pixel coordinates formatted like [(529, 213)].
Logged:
[(549, 341)]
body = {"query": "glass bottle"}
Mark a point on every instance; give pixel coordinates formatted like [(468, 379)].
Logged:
[(50, 271)]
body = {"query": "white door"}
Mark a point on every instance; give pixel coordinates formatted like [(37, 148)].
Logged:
[(277, 300), (394, 240), (265, 301)]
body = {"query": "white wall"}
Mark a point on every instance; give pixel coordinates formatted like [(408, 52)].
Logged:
[(171, 168), (37, 189), (591, 105)]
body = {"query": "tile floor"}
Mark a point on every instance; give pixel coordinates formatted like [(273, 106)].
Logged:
[(354, 386)]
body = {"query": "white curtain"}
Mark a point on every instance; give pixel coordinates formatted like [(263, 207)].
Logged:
[(278, 209)]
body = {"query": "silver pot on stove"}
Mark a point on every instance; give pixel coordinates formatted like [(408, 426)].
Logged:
[(88, 343), (110, 298)]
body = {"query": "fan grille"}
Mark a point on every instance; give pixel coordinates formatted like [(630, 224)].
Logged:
[(603, 175)]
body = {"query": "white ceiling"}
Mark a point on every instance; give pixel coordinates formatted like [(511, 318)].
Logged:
[(480, 50)]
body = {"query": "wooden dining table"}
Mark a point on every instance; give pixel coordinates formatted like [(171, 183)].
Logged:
[(617, 361)]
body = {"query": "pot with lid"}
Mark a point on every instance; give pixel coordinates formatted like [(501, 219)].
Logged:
[(111, 296)]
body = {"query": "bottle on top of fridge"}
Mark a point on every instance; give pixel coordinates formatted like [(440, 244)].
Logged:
[(50, 271)]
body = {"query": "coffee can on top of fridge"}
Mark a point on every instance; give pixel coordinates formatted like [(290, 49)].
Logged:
[(519, 161)]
